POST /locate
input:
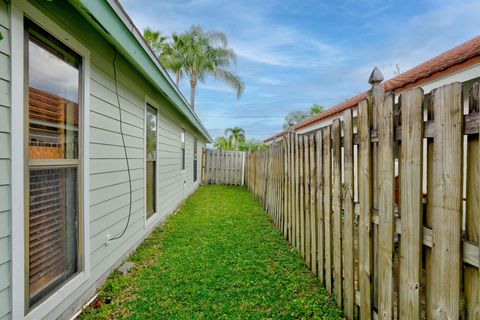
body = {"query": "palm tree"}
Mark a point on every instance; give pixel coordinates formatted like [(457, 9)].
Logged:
[(156, 41), (235, 135), (222, 143), (316, 109), (169, 54), (200, 54)]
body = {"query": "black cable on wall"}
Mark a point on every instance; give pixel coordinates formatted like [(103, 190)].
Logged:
[(124, 150)]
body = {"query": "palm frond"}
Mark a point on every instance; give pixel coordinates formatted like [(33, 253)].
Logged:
[(231, 79)]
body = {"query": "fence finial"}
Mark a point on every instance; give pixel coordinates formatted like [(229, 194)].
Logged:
[(375, 77)]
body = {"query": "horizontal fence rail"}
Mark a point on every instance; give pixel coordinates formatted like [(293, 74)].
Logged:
[(224, 167), (385, 206)]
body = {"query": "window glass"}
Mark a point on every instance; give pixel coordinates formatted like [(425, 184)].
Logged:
[(151, 154), (53, 78), (195, 159), (151, 133), (52, 229), (53, 102), (182, 141)]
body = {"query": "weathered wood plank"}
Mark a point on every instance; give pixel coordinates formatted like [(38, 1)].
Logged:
[(428, 104), (302, 196), (365, 199), (471, 251), (313, 208), (472, 276), (337, 211), (349, 219), (292, 188), (327, 206), (375, 100), (308, 244), (471, 127), (447, 202), (385, 208), (286, 190), (320, 215), (411, 204), (297, 192)]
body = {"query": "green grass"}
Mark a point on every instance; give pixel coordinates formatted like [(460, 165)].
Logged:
[(219, 257)]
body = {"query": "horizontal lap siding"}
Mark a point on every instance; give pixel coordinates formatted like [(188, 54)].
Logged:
[(109, 187), (5, 213)]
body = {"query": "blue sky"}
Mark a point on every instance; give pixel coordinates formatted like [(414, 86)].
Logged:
[(292, 53)]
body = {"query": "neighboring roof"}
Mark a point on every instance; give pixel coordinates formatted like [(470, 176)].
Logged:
[(109, 18), (460, 57)]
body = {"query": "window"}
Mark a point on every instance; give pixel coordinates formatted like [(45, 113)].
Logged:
[(151, 160), (53, 156), (182, 141), (195, 159)]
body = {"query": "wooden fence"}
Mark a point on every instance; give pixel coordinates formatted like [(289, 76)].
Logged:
[(223, 167), (385, 206)]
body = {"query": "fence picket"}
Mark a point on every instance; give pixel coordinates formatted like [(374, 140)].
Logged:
[(297, 192), (302, 196), (349, 218), (337, 211), (472, 276), (313, 202), (447, 201), (308, 244), (320, 216), (291, 183), (386, 223), (327, 206), (411, 204), (365, 199), (308, 184), (225, 167)]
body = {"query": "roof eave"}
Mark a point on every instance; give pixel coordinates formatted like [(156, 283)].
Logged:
[(115, 26)]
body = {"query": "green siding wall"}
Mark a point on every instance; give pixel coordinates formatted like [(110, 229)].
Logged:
[(5, 214), (109, 197)]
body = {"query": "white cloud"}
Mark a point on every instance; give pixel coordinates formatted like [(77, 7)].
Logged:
[(288, 62)]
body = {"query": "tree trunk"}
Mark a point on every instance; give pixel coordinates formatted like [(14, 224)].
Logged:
[(193, 84)]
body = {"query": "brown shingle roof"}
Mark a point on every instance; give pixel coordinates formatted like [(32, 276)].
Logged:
[(460, 57)]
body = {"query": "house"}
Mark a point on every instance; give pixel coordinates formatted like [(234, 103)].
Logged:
[(97, 147), (461, 64)]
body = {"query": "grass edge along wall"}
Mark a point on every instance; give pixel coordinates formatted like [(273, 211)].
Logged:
[(105, 179)]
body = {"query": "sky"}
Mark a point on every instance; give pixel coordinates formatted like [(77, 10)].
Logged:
[(293, 53)]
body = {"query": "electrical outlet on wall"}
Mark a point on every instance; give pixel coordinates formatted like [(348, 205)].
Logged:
[(107, 239)]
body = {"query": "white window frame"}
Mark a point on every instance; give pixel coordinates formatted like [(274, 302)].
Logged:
[(19, 10), (183, 145), (195, 139), (149, 222)]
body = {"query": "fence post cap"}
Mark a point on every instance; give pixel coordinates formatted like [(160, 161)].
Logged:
[(375, 77)]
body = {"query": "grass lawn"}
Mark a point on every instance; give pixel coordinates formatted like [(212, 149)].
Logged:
[(219, 257)]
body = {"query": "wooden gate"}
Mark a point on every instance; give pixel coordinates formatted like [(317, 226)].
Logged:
[(223, 167)]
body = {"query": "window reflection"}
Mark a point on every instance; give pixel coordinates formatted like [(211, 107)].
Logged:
[(53, 104)]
